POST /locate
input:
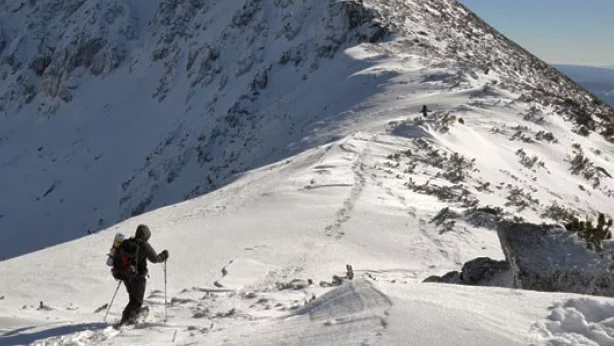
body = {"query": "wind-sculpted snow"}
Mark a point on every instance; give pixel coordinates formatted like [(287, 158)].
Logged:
[(356, 298), (579, 321), (353, 314)]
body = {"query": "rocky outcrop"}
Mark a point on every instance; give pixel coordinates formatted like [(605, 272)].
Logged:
[(481, 271), (73, 40), (542, 258), (550, 258), (452, 277), (484, 271)]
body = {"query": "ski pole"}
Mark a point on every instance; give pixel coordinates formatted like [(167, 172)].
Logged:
[(112, 299), (164, 291)]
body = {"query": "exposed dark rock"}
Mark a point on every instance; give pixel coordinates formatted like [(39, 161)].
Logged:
[(453, 277), (482, 271), (482, 218), (433, 278), (261, 79), (246, 14), (40, 64), (86, 54), (550, 258)]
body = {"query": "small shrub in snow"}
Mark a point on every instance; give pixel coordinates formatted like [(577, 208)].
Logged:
[(585, 122), (496, 130), (582, 165), (443, 215), (455, 167), (520, 199), (517, 219), (397, 156), (443, 122), (546, 136), (509, 174), (484, 187), (519, 135), (593, 235), (583, 131), (487, 216), (608, 132), (490, 210), (529, 161), (558, 212), (521, 128), (534, 115), (455, 193)]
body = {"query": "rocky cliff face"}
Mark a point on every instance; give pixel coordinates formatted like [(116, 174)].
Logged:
[(112, 108), (549, 258), (50, 47)]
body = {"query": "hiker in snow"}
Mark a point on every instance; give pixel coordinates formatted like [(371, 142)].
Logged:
[(135, 279), (425, 111)]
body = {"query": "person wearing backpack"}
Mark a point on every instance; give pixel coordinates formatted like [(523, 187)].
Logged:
[(425, 111), (130, 266)]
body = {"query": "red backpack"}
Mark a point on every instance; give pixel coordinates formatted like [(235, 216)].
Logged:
[(125, 260)]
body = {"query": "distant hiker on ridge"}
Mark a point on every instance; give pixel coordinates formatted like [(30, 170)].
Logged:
[(130, 266), (425, 111)]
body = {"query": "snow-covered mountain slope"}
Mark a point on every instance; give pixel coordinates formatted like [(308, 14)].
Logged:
[(346, 171), (113, 108), (241, 256)]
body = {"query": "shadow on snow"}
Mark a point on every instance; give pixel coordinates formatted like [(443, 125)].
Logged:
[(15, 337)]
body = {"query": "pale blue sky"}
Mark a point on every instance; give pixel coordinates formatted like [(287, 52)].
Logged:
[(557, 31)]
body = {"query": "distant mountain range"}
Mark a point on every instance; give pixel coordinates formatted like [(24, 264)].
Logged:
[(598, 80)]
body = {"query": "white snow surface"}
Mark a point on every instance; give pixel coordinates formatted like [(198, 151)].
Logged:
[(113, 108), (352, 175), (305, 218)]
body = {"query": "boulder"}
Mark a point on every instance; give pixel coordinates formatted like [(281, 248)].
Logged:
[(483, 271), (433, 278), (550, 258), (452, 277)]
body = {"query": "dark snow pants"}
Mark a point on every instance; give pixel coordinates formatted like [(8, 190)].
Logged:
[(136, 291)]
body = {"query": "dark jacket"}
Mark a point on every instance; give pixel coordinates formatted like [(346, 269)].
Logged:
[(146, 252)]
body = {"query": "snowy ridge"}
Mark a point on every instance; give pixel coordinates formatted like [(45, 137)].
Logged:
[(299, 124), (222, 87), (241, 257)]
